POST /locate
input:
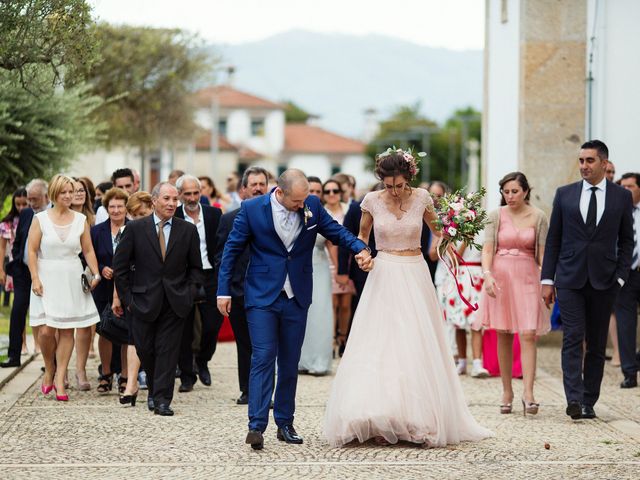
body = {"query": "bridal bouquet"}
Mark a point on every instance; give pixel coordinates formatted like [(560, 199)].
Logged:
[(460, 218)]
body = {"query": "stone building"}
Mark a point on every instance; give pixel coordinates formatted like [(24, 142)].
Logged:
[(558, 72)]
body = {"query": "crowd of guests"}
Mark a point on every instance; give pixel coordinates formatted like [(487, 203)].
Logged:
[(59, 231)]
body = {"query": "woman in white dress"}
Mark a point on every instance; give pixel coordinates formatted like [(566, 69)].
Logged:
[(317, 349), (58, 302), (397, 380)]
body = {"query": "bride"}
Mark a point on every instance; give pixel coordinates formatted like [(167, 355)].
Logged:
[(397, 380)]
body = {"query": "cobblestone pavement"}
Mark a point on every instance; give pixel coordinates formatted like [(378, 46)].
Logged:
[(93, 437)]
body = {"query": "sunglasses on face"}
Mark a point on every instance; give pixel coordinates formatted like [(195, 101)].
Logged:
[(331, 190)]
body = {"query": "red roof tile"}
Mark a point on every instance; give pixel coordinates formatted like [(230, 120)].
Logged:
[(303, 138), (203, 142), (229, 97)]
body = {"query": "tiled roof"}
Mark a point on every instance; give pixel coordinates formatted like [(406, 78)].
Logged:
[(229, 97), (303, 138), (203, 142)]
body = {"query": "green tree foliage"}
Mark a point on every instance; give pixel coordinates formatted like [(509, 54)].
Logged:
[(39, 135), (407, 127), (43, 44), (54, 34), (293, 113), (146, 76)]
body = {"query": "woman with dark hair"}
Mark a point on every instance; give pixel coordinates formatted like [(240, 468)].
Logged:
[(513, 249), (101, 189), (209, 191), (82, 200), (8, 227), (396, 380)]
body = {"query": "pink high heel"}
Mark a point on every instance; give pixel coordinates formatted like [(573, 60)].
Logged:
[(61, 398), (46, 389)]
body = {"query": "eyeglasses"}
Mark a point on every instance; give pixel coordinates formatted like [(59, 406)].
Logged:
[(82, 190), (328, 191)]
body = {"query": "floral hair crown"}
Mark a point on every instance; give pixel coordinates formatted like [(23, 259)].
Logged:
[(407, 155)]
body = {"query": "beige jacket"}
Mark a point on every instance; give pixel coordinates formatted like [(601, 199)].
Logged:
[(542, 228)]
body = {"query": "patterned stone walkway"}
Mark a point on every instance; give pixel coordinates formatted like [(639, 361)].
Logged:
[(93, 437)]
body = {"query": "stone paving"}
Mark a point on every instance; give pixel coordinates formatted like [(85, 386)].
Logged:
[(94, 437)]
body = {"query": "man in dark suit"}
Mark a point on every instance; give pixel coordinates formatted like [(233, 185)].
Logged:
[(281, 230), (168, 270), (206, 220), (586, 260), (253, 184), (18, 269), (629, 297)]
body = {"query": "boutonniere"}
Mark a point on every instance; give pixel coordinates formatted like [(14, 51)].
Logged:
[(307, 214)]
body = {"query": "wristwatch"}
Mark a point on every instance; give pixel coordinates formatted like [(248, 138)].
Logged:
[(96, 276)]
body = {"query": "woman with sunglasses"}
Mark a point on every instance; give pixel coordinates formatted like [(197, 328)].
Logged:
[(342, 292), (396, 381)]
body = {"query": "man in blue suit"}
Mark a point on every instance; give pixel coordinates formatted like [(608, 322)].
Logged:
[(587, 259), (280, 229)]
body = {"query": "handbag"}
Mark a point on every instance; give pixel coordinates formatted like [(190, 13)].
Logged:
[(113, 328), (84, 281)]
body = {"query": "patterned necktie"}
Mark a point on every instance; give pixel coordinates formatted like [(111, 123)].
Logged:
[(163, 245), (287, 220), (592, 211)]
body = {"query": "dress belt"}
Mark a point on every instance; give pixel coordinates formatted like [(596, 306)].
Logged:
[(470, 264), (514, 252)]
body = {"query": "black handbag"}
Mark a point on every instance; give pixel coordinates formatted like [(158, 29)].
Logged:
[(113, 328)]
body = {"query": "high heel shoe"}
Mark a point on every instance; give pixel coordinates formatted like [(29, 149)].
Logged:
[(122, 384), (529, 407), (506, 408), (129, 399), (46, 389), (82, 386), (61, 398)]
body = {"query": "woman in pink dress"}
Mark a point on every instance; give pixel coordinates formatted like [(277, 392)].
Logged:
[(512, 299), (397, 380)]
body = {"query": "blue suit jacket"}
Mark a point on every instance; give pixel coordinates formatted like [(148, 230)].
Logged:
[(269, 261), (572, 256), (103, 246)]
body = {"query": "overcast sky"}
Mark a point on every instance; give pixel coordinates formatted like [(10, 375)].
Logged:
[(455, 24)]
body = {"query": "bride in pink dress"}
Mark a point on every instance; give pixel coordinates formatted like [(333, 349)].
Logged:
[(397, 380)]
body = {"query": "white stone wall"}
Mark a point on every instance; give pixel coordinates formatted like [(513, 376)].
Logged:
[(501, 112), (615, 109), (314, 165)]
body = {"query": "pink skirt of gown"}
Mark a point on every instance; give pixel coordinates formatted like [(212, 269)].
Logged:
[(397, 378)]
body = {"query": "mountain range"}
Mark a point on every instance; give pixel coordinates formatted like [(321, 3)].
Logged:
[(339, 76)]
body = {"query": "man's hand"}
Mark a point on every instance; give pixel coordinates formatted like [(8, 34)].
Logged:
[(116, 307), (548, 294), (224, 306), (342, 279), (365, 262)]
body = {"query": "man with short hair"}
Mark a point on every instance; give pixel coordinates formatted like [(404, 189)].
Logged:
[(587, 259), (122, 178), (160, 292), (233, 186), (253, 184), (610, 172), (281, 230), (629, 296), (19, 270), (206, 220)]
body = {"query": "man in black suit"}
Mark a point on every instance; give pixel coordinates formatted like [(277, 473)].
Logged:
[(629, 297), (18, 269), (168, 270), (206, 220), (587, 259), (253, 184)]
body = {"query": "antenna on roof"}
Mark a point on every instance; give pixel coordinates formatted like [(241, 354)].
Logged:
[(231, 75)]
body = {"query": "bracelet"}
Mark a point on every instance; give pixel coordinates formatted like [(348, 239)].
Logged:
[(485, 272), (96, 276)]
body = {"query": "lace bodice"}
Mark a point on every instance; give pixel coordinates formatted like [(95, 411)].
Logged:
[(393, 233), (60, 242)]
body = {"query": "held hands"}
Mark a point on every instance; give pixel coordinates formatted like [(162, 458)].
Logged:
[(365, 262), (548, 294), (342, 279), (224, 306)]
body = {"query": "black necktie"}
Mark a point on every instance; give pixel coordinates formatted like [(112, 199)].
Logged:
[(591, 212)]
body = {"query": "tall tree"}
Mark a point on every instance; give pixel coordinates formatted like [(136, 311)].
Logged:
[(146, 76), (43, 125)]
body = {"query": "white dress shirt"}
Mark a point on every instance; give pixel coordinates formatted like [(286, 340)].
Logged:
[(585, 198), (288, 226), (206, 265), (101, 215)]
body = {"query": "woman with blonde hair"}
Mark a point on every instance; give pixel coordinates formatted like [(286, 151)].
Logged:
[(60, 299)]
